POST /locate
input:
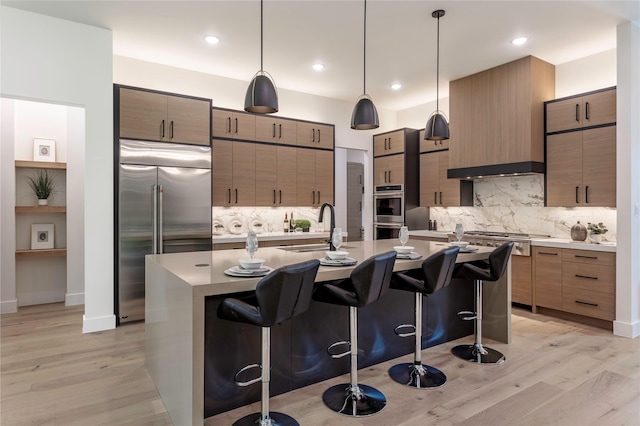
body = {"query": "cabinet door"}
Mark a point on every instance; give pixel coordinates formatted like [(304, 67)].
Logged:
[(379, 145), (449, 188), (143, 115), (521, 289), (564, 115), (189, 120), (380, 170), (324, 135), (266, 129), (269, 129), (232, 124), (306, 177), (547, 277), (324, 177), (222, 172), (388, 143), (244, 174), (221, 123), (314, 135), (430, 146), (599, 166), (266, 171), (564, 170), (599, 108), (396, 169), (429, 180), (287, 169)]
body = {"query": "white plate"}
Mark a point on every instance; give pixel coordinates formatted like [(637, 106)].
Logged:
[(237, 271), (342, 262), (468, 249), (413, 255)]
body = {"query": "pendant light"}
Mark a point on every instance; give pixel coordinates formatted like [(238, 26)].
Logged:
[(262, 96), (365, 115), (437, 127)]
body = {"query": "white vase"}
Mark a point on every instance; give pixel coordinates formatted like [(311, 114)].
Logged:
[(43, 202), (595, 238)]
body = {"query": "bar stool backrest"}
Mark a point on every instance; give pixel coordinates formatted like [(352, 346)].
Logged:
[(498, 260), (438, 269), (286, 292), (372, 277)]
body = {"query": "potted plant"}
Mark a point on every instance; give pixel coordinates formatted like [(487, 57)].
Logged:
[(304, 224), (42, 185), (596, 231)]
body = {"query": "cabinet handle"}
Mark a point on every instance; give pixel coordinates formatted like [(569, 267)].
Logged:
[(318, 135), (586, 110), (440, 198), (435, 197), (548, 253), (586, 257), (171, 128), (360, 205), (389, 173), (577, 112), (385, 176), (280, 196), (577, 195), (389, 143), (586, 194), (313, 135), (280, 131), (586, 303), (236, 125), (228, 124), (236, 195), (274, 130), (274, 196), (229, 195), (313, 194), (586, 276), (163, 128)]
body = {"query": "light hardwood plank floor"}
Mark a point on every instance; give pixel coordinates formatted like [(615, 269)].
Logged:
[(557, 372)]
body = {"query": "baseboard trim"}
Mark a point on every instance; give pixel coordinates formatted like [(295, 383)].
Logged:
[(71, 299), (91, 325), (625, 329), (9, 306)]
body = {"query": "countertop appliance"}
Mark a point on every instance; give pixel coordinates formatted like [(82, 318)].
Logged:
[(164, 206), (522, 242)]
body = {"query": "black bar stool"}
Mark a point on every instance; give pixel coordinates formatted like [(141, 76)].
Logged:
[(367, 283), (281, 295), (435, 275), (481, 271)]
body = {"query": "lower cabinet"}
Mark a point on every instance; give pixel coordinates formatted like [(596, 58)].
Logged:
[(521, 288), (577, 281)]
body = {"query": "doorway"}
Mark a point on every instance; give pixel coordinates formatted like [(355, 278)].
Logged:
[(355, 190)]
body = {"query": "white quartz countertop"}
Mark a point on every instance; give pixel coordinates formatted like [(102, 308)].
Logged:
[(429, 234), (607, 246), (270, 236)]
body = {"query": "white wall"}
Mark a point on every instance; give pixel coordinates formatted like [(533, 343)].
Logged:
[(56, 61), (8, 298)]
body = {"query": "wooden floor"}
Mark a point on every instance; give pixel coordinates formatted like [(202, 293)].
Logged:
[(557, 372)]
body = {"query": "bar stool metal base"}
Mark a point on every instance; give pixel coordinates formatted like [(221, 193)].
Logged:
[(274, 419), (417, 376), (478, 354), (360, 401)]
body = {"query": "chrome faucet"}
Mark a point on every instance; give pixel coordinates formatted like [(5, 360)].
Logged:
[(333, 223)]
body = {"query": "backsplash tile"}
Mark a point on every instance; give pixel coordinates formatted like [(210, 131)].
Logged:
[(271, 218)]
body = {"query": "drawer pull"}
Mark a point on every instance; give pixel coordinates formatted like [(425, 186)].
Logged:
[(586, 303), (548, 253), (581, 256), (586, 276)]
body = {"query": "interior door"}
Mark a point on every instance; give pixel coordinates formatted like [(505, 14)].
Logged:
[(355, 189)]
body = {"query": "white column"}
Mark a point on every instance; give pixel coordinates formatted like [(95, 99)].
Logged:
[(627, 321)]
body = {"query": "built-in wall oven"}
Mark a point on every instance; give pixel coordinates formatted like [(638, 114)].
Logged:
[(389, 208)]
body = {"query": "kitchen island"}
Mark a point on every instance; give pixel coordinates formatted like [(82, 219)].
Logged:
[(186, 345)]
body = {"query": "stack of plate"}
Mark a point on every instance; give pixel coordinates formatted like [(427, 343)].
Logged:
[(239, 271)]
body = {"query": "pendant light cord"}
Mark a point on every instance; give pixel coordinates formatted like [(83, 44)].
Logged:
[(261, 38), (438, 67), (364, 65)]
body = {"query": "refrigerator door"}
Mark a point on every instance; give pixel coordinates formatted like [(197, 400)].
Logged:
[(185, 209), (136, 212)]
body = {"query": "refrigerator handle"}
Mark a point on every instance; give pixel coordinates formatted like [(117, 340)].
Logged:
[(154, 224), (160, 242)]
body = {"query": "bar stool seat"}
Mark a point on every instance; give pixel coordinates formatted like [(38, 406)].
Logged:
[(367, 283), (281, 295), (480, 272), (435, 274)]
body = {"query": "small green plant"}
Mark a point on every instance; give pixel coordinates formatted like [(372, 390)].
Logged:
[(42, 184), (597, 229), (303, 223)]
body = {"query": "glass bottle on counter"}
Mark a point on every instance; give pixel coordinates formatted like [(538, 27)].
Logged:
[(292, 224), (286, 223)]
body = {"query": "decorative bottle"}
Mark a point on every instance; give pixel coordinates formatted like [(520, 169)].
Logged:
[(578, 232), (286, 223)]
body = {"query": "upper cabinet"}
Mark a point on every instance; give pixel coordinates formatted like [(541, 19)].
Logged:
[(314, 135), (592, 109), (233, 124), (276, 130), (389, 143), (497, 119), (164, 117)]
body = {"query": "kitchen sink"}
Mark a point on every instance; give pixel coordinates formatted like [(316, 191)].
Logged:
[(310, 248)]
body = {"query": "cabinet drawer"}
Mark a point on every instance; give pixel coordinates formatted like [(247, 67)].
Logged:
[(589, 277), (589, 257), (589, 303)]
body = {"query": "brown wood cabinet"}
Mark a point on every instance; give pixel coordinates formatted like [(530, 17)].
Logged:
[(521, 282), (389, 143), (163, 117), (234, 167), (581, 168), (314, 135), (577, 281), (276, 130), (314, 177), (233, 124), (430, 146), (389, 170), (591, 109), (275, 175), (497, 119)]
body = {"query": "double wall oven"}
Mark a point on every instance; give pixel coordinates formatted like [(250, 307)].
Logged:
[(389, 205)]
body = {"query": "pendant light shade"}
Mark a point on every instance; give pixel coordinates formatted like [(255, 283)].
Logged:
[(262, 95), (437, 127), (365, 115)]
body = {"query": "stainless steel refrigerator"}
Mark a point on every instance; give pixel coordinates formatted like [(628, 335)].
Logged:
[(164, 206)]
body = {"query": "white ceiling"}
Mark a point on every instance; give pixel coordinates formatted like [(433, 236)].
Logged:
[(401, 38)]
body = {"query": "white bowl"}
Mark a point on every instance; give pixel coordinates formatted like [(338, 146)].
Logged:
[(403, 249), (254, 263), (461, 244), (337, 255)]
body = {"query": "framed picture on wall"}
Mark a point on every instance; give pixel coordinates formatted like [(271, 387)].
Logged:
[(44, 150), (41, 236)]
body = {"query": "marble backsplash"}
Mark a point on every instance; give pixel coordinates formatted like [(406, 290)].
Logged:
[(242, 219), (516, 204)]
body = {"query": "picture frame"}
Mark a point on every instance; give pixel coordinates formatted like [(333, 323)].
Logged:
[(44, 150), (42, 235)]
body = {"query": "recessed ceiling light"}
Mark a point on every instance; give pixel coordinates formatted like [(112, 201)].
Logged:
[(318, 67), (396, 86), (518, 41), (211, 39)]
